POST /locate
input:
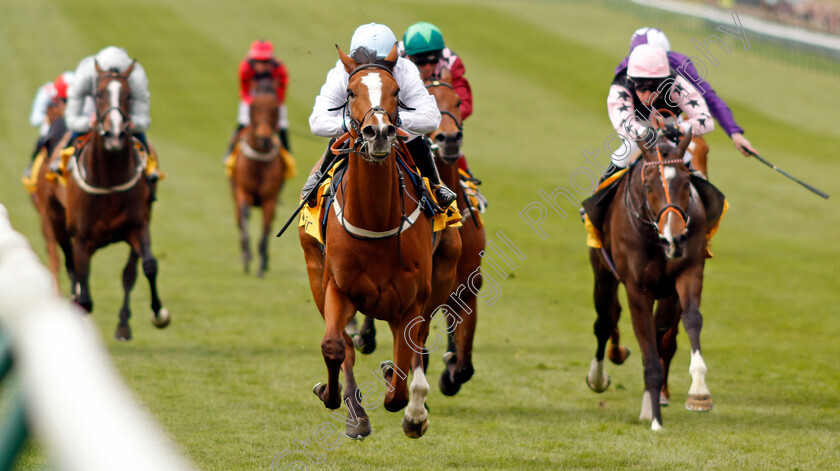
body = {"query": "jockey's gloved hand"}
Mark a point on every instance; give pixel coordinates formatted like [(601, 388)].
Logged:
[(673, 131)]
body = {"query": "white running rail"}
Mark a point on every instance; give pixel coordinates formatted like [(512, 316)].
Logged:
[(76, 403)]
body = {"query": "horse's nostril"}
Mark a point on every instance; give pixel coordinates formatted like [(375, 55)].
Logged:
[(391, 131), (459, 135), (440, 138), (368, 132)]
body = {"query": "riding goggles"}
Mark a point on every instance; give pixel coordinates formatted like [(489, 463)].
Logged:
[(645, 84)]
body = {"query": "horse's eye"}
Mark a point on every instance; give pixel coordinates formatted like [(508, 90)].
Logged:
[(350, 93)]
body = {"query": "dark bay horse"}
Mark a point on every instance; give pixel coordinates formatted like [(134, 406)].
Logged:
[(107, 199), (374, 260), (654, 232), (259, 171), (448, 138)]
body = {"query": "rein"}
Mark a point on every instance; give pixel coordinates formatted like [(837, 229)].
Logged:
[(438, 83)]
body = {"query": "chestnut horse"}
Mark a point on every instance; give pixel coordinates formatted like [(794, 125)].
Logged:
[(107, 199), (447, 139), (654, 232), (376, 260), (258, 173)]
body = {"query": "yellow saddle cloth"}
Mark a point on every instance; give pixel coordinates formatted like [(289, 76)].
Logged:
[(313, 220), (290, 165)]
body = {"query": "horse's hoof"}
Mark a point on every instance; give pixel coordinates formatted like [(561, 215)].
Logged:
[(365, 343), (663, 400), (448, 387), (598, 389), (123, 333), (699, 402), (618, 355), (360, 431), (162, 318), (320, 390), (413, 430)]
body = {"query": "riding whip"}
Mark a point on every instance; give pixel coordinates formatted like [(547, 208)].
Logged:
[(824, 195)]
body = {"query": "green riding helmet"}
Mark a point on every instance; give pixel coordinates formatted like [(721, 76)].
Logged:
[(422, 37)]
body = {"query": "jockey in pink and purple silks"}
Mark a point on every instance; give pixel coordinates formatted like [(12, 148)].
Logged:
[(684, 67)]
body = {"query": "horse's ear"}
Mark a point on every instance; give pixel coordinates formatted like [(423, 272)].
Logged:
[(446, 75), (647, 140), (99, 70), (349, 63), (392, 56), (130, 68), (684, 142)]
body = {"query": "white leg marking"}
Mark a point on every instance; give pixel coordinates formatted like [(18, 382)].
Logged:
[(598, 379), (416, 411), (647, 407), (655, 425), (697, 370)]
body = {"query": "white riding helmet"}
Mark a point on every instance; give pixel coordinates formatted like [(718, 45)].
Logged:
[(649, 36), (113, 58), (649, 62), (374, 36)]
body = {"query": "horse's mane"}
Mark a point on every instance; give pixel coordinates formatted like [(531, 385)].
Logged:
[(363, 55)]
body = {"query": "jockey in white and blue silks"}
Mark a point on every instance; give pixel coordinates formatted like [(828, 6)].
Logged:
[(419, 117), (79, 118), (650, 85)]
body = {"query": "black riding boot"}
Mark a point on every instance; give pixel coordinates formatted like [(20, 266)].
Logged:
[(284, 139), (424, 159), (326, 161), (232, 142)]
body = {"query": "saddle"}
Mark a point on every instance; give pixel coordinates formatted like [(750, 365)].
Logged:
[(290, 165), (315, 214)]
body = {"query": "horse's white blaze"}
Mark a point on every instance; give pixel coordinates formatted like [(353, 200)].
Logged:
[(416, 410), (114, 115), (598, 378), (373, 82), (647, 407), (697, 370), (667, 234), (669, 173)]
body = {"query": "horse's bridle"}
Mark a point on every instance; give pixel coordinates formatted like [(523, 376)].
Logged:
[(656, 221), (438, 83), (360, 144), (100, 118)]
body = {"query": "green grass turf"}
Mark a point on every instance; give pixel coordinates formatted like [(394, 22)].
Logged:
[(230, 379)]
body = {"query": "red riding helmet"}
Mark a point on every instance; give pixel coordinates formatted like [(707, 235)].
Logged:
[(261, 50)]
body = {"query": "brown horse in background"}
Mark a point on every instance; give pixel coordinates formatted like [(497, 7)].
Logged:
[(374, 261), (258, 173), (107, 199), (448, 138), (654, 231)]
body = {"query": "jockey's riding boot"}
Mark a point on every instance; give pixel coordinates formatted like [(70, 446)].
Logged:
[(284, 139), (232, 141), (424, 159), (326, 161)]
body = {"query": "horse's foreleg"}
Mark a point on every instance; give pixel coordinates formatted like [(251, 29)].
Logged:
[(268, 206), (689, 286), (337, 310), (358, 424), (123, 331), (605, 295), (160, 315), (81, 266), (416, 418), (667, 319), (641, 309), (458, 357)]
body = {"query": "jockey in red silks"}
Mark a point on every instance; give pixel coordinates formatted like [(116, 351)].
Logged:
[(49, 96), (423, 44), (262, 64)]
